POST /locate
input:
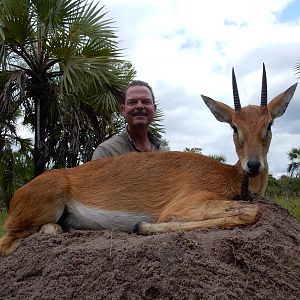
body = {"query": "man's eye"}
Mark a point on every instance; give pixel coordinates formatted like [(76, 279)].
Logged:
[(147, 102)]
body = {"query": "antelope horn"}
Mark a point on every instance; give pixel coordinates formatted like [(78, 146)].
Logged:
[(264, 89), (236, 98)]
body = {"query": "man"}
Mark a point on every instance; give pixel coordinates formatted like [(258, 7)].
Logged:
[(138, 110)]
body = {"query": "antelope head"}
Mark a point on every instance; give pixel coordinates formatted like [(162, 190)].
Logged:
[(252, 124)]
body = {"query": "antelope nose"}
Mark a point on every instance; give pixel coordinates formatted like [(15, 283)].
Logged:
[(253, 166)]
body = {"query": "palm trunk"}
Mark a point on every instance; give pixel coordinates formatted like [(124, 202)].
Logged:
[(38, 155), (42, 98), (8, 180)]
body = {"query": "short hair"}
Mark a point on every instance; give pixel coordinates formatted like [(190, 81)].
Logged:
[(139, 83)]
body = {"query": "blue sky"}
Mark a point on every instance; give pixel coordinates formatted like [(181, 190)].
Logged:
[(185, 48), (290, 13)]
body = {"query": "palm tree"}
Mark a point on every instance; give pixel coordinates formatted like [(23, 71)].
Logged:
[(14, 164), (65, 74), (294, 166)]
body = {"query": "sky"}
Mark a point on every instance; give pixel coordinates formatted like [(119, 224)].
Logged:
[(185, 48)]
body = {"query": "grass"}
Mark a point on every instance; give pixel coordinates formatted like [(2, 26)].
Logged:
[(2, 217), (292, 204)]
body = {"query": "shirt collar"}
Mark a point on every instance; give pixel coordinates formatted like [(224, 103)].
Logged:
[(152, 138)]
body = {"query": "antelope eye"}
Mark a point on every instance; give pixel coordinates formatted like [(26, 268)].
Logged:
[(234, 129), (269, 126)]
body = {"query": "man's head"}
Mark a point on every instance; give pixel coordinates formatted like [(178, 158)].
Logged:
[(139, 106), (139, 83)]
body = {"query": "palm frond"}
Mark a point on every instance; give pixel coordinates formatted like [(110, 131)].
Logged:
[(156, 126), (294, 166), (296, 68), (15, 19)]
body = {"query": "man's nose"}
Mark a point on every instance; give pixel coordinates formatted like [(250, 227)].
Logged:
[(140, 104)]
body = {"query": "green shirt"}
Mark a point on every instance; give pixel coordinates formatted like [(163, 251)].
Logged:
[(121, 143)]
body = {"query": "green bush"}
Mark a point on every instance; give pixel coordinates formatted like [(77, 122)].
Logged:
[(285, 186), (286, 192)]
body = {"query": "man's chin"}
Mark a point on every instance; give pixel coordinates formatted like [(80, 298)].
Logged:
[(141, 120), (144, 124)]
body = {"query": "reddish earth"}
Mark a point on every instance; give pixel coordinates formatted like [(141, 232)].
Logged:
[(261, 261)]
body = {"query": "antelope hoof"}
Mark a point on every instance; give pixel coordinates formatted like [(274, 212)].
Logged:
[(50, 229)]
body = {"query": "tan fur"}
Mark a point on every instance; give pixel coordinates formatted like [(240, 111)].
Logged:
[(187, 189)]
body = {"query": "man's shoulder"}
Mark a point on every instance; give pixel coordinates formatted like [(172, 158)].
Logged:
[(115, 139), (115, 145)]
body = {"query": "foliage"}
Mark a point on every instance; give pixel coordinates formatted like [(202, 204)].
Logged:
[(294, 166), (165, 144), (14, 170), (286, 192), (198, 150), (285, 186), (193, 149), (64, 73), (156, 127), (20, 172), (297, 68), (3, 214), (220, 157)]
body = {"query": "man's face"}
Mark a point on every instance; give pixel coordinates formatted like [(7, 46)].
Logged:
[(139, 108)]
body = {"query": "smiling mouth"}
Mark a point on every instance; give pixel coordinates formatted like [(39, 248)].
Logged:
[(139, 114)]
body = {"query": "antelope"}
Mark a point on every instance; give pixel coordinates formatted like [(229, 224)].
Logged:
[(155, 192)]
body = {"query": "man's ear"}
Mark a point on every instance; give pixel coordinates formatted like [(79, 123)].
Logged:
[(122, 108), (155, 107)]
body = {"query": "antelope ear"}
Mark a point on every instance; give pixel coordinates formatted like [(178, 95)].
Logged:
[(221, 111), (280, 103)]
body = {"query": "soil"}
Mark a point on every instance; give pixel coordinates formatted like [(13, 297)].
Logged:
[(261, 261)]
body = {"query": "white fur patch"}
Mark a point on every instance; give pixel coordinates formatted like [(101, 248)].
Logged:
[(83, 217)]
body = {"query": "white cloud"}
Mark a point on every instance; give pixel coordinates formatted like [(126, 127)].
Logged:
[(187, 48)]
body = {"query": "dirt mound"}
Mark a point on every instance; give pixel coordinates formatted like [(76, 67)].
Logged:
[(261, 261)]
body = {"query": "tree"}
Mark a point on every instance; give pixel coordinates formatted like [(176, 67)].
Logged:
[(16, 169), (218, 157), (65, 74), (193, 149), (14, 164), (165, 144), (198, 150), (294, 166)]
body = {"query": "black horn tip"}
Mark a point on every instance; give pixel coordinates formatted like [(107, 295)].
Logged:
[(236, 97), (264, 89)]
